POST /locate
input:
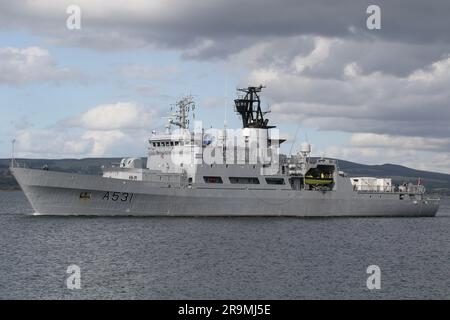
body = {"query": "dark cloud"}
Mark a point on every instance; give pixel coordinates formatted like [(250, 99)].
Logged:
[(229, 26), (379, 104), (321, 65)]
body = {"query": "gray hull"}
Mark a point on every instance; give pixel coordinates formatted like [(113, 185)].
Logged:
[(57, 193)]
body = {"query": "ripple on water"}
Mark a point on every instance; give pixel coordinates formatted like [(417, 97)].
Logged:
[(271, 258)]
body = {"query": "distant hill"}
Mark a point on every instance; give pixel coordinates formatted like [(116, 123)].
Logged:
[(434, 182), (85, 166)]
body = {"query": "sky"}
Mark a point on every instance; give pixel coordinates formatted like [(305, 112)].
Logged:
[(372, 96)]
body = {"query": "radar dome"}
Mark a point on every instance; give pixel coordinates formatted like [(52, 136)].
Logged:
[(305, 147)]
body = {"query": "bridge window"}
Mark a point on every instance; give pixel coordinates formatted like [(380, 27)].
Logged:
[(275, 181), (212, 179), (244, 180)]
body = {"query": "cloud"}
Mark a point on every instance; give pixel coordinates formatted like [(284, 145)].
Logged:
[(438, 71), (48, 142), (120, 115), (392, 97), (319, 54), (388, 88), (32, 64), (102, 142), (116, 129), (323, 57), (351, 98), (370, 140), (209, 29), (432, 154), (52, 143)]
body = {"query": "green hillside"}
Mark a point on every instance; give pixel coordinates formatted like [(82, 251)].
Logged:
[(433, 181)]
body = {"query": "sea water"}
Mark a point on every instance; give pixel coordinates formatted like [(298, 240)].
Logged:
[(221, 258)]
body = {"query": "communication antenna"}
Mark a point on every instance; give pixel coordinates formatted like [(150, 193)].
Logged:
[(224, 133), (180, 117), (226, 102), (293, 142), (191, 105), (13, 142)]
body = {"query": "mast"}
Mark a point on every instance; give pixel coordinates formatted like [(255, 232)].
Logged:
[(249, 107), (181, 116)]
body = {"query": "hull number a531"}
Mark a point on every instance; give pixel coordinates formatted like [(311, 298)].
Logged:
[(118, 196)]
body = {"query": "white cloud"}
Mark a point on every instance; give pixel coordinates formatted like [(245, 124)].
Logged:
[(431, 154), (57, 143), (439, 70), (103, 141), (316, 56), (117, 129), (49, 142), (263, 76), (120, 115), (352, 70), (32, 64)]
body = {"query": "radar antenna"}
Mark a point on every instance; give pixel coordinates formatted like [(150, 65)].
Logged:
[(181, 116), (249, 107)]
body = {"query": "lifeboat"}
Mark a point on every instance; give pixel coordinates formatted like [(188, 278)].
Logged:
[(318, 180)]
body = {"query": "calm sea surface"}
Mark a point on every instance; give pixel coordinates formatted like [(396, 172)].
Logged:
[(221, 258)]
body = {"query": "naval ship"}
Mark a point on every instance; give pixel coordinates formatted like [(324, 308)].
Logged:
[(196, 172)]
